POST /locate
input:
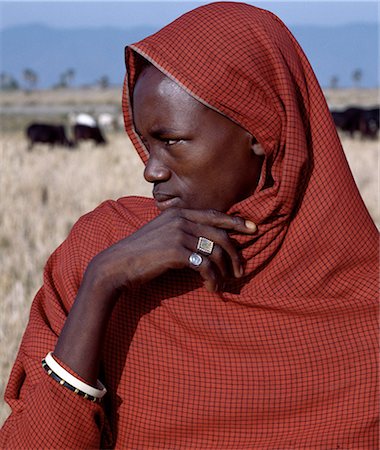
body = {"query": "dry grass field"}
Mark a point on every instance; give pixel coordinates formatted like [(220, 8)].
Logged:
[(44, 192)]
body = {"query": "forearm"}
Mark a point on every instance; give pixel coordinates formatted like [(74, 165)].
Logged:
[(80, 343)]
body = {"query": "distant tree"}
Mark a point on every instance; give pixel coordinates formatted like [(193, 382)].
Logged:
[(357, 76), (70, 75), (334, 81), (66, 78), (8, 82), (104, 82), (3, 79), (30, 78)]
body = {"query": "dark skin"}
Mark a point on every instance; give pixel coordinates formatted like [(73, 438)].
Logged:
[(200, 164)]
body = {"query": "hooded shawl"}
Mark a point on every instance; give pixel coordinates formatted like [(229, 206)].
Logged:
[(283, 359)]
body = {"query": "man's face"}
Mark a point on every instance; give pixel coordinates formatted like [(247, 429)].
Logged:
[(198, 158)]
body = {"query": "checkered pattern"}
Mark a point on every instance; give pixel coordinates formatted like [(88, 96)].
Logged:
[(286, 358)]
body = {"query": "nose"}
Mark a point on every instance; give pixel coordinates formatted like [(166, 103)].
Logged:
[(156, 170)]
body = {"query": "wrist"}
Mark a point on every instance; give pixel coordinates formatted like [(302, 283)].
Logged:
[(98, 284)]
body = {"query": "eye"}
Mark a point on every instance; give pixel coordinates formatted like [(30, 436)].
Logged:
[(171, 141)]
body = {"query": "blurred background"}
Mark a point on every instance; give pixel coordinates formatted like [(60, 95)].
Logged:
[(62, 144)]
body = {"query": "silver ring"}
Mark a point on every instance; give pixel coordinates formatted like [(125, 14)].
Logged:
[(195, 259), (205, 246)]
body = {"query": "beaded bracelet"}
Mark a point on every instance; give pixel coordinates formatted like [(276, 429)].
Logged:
[(65, 379)]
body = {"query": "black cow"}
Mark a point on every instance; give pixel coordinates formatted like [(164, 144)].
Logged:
[(357, 119), (339, 118), (84, 132), (370, 122), (47, 134), (348, 120)]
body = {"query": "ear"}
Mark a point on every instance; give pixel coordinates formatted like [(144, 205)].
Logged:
[(257, 149)]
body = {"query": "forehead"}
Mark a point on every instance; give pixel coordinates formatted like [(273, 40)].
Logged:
[(155, 94), (153, 80), (159, 103)]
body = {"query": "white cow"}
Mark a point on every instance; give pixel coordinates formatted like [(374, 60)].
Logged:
[(86, 119), (106, 121), (82, 119)]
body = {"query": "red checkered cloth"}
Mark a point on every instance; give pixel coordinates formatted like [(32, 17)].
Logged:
[(286, 359)]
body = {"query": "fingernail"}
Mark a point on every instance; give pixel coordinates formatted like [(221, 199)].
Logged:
[(250, 225), (241, 271)]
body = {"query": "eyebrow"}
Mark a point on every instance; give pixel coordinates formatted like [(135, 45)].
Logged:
[(159, 131)]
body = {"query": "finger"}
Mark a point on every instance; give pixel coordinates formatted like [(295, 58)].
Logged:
[(207, 270), (222, 243), (217, 256), (218, 219), (212, 232), (229, 251)]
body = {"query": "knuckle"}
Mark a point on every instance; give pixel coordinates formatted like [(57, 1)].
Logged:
[(223, 239), (213, 213), (177, 222), (173, 212), (206, 265), (167, 213), (224, 235), (217, 252), (177, 240), (237, 221)]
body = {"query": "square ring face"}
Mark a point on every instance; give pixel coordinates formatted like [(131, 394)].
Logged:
[(205, 245)]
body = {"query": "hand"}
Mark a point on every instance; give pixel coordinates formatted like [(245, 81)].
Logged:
[(166, 243)]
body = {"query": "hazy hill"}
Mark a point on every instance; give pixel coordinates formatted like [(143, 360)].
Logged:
[(341, 50), (92, 53)]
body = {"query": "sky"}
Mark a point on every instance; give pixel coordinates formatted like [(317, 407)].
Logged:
[(69, 14)]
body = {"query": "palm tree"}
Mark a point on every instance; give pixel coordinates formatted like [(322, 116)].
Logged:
[(8, 82), (70, 75), (104, 82), (30, 77), (66, 78), (334, 81), (357, 76)]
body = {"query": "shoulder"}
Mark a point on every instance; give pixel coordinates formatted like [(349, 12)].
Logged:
[(117, 218), (97, 230)]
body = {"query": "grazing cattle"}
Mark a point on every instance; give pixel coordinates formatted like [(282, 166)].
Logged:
[(85, 119), (47, 134), (348, 120), (370, 122), (106, 121), (338, 118), (84, 132), (357, 119)]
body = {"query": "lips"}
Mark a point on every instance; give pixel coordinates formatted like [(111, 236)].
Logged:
[(165, 201), (160, 197)]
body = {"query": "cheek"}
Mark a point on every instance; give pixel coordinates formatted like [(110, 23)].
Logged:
[(217, 175), (202, 187), (211, 188), (235, 178)]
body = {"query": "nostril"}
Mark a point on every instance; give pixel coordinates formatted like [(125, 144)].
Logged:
[(148, 174), (156, 171)]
